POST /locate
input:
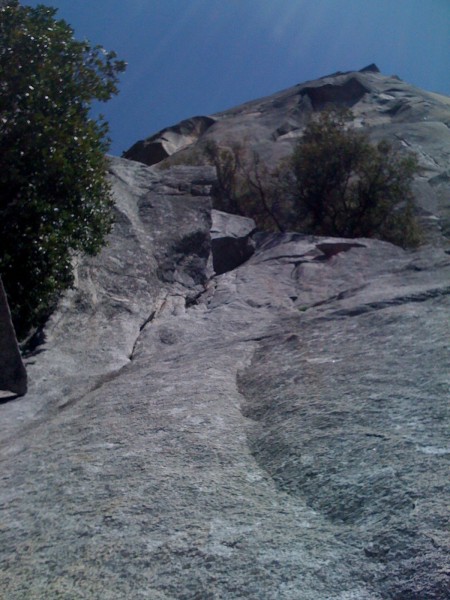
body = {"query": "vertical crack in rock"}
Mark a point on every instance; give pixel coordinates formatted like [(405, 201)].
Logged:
[(148, 320)]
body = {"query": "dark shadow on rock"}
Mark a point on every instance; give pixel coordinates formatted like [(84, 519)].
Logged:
[(229, 253), (13, 376), (332, 248), (231, 241), (32, 346), (347, 93)]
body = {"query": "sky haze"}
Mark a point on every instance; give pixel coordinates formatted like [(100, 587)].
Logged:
[(198, 57)]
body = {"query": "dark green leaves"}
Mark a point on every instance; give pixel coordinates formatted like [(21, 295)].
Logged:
[(54, 197), (345, 186)]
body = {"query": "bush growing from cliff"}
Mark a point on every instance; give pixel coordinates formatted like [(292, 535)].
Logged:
[(336, 183), (245, 185), (347, 187), (228, 164), (54, 196)]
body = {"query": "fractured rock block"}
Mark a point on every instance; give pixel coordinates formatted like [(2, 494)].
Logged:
[(231, 241)]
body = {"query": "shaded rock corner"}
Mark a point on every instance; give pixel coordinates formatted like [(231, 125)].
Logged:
[(231, 241), (13, 375)]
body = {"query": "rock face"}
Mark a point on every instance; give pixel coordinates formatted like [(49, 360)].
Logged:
[(168, 141), (13, 376), (231, 241), (386, 107), (279, 430)]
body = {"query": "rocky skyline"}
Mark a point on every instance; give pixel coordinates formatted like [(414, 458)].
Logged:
[(190, 57)]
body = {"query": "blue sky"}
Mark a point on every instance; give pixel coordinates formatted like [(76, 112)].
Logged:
[(197, 57)]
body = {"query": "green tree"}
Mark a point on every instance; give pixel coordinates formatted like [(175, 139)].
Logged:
[(345, 186), (54, 196), (228, 164), (262, 194)]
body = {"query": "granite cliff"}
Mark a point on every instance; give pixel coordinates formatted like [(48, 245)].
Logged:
[(220, 413), (385, 107)]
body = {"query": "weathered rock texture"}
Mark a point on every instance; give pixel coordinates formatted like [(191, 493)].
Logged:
[(276, 431), (13, 376)]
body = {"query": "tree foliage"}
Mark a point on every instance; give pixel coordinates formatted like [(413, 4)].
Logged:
[(228, 164), (54, 197), (336, 183), (345, 186), (245, 185)]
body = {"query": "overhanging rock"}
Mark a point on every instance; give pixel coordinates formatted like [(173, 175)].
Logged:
[(169, 140), (344, 93), (231, 242)]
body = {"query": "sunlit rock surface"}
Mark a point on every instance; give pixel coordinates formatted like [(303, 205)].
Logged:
[(276, 431)]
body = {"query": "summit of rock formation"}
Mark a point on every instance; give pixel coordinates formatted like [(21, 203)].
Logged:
[(385, 107), (218, 412)]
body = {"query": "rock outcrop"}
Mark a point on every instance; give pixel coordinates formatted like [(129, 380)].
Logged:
[(13, 376), (386, 107), (168, 141), (231, 241), (277, 428)]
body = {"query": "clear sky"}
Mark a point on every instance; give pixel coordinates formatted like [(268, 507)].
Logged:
[(197, 57)]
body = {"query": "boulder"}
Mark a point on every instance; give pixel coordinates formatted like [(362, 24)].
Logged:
[(13, 376), (231, 241)]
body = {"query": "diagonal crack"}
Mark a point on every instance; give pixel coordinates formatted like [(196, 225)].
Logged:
[(399, 300)]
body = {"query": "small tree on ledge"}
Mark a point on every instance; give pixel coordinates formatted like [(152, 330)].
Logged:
[(347, 187)]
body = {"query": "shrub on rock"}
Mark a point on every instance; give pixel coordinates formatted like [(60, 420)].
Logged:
[(347, 187), (336, 183)]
